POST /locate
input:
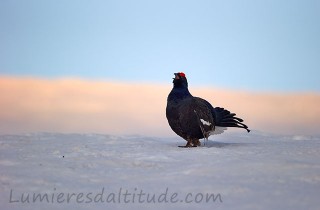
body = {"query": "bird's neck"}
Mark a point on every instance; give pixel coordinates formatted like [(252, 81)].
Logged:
[(179, 93)]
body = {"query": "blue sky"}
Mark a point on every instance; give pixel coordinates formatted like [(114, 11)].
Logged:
[(270, 45)]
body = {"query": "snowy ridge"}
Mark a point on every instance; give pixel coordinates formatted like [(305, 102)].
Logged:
[(249, 171)]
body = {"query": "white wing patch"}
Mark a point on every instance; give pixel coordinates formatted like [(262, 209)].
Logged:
[(205, 122), (218, 130)]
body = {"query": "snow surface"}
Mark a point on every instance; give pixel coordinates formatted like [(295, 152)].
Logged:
[(248, 171)]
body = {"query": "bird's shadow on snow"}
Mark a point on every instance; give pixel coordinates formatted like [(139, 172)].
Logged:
[(217, 144)]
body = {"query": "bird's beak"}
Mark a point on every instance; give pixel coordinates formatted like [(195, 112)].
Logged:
[(176, 76)]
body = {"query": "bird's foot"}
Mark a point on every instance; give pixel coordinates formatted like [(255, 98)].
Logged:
[(191, 143)]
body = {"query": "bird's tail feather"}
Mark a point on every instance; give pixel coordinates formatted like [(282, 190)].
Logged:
[(225, 118)]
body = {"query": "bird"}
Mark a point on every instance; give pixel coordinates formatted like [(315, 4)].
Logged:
[(194, 118)]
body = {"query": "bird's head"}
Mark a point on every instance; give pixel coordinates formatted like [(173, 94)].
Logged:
[(180, 80)]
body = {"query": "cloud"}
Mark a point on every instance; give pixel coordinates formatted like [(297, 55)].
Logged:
[(73, 105)]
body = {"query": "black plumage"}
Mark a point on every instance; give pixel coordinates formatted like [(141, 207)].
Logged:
[(194, 118)]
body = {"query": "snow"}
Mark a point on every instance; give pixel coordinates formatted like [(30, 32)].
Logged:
[(242, 171)]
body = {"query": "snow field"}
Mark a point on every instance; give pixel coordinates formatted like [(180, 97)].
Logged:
[(238, 170)]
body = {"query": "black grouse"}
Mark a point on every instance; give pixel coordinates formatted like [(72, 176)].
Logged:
[(194, 118)]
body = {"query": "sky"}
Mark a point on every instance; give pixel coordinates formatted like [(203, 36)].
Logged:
[(252, 45)]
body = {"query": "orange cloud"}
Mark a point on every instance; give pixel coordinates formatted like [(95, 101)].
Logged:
[(73, 105)]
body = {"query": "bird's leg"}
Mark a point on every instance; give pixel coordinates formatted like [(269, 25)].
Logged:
[(196, 142), (189, 144)]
